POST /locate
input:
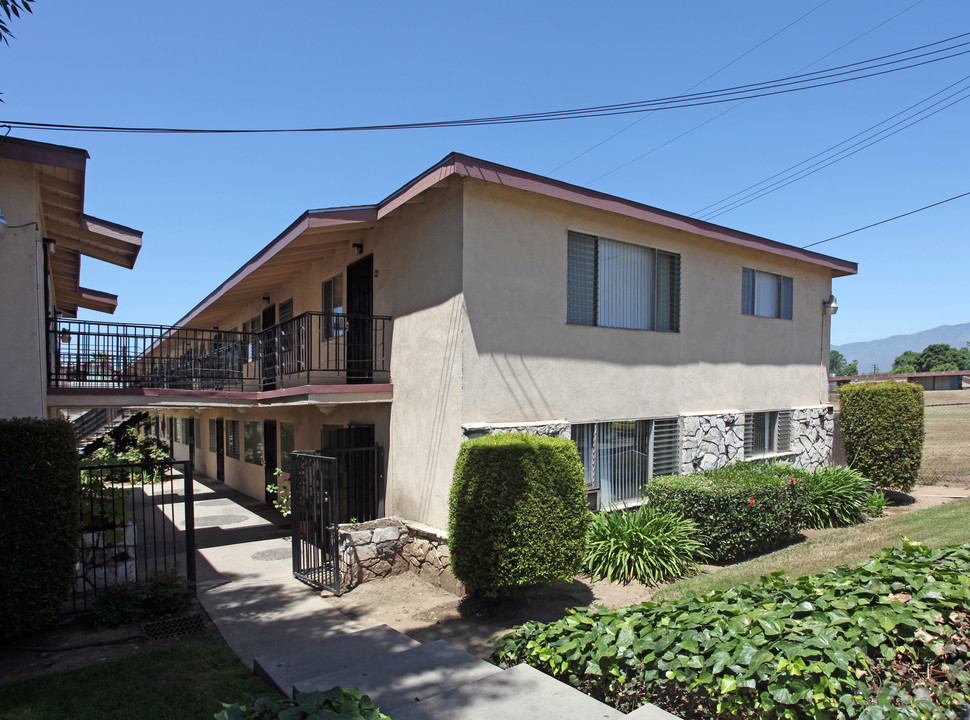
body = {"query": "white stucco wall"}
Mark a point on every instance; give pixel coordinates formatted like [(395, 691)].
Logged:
[(522, 362), (23, 364)]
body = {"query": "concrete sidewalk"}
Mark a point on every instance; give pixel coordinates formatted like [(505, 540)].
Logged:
[(295, 638)]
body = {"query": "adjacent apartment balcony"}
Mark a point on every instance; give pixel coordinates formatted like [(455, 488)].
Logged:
[(312, 354)]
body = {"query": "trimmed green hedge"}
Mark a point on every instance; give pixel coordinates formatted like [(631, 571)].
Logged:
[(518, 512), (883, 431), (39, 521), (740, 509)]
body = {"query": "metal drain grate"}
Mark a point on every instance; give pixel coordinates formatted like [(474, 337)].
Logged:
[(174, 627)]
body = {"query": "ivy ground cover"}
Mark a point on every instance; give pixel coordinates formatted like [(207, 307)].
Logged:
[(887, 639)]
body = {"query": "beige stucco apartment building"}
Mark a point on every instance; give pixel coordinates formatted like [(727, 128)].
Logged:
[(480, 298), (43, 234)]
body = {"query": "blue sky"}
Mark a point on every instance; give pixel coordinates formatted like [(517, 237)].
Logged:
[(206, 204)]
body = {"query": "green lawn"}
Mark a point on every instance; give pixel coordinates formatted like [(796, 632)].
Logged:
[(937, 526), (182, 682)]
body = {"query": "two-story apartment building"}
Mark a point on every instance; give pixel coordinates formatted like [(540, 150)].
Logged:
[(44, 232), (480, 298)]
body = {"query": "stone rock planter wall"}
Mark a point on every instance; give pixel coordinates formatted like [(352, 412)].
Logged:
[(107, 558), (711, 441), (391, 546)]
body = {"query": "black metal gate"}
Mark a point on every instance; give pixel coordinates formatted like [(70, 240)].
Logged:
[(313, 490), (137, 520)]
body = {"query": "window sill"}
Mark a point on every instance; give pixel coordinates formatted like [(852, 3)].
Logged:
[(769, 456)]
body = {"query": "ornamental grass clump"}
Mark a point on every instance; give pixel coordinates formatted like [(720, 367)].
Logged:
[(837, 497), (885, 640), (644, 544)]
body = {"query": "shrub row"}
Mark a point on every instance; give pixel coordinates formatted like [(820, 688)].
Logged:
[(740, 509), (518, 512), (337, 702), (888, 639), (39, 521)]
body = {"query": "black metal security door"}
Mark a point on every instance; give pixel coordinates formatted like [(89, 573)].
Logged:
[(313, 491), (360, 324)]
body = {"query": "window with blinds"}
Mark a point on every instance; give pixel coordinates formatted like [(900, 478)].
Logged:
[(767, 433), (621, 285), (766, 294), (619, 457)]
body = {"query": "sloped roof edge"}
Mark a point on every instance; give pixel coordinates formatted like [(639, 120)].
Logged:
[(471, 167)]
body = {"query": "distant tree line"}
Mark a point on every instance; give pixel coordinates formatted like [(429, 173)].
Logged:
[(935, 358)]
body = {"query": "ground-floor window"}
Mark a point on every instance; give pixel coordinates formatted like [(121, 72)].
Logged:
[(213, 431), (232, 438), (619, 457), (179, 430), (253, 444), (767, 433)]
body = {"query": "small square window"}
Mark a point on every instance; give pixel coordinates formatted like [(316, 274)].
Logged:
[(232, 439), (766, 294)]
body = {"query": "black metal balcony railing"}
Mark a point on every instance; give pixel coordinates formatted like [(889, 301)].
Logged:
[(309, 349)]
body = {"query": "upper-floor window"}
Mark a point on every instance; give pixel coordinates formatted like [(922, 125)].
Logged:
[(333, 303), (621, 285), (766, 294)]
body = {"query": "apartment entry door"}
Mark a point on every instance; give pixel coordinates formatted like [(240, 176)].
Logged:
[(269, 458), (220, 450), (267, 348), (360, 331)]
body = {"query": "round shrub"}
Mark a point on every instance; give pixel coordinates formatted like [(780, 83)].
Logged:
[(837, 497), (644, 544), (518, 512), (883, 431), (39, 521), (740, 509)]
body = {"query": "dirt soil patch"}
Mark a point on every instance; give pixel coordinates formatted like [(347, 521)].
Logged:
[(427, 613)]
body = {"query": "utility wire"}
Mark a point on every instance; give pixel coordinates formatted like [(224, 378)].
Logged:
[(873, 67), (742, 102), (843, 154), (883, 222), (695, 85)]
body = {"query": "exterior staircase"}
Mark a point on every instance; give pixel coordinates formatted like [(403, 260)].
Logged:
[(437, 681)]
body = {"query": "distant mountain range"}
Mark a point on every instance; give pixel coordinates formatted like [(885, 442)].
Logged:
[(882, 353)]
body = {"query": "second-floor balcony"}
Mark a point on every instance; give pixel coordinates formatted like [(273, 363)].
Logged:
[(311, 349)]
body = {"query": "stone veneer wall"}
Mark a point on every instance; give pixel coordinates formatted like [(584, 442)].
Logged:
[(392, 546), (812, 433), (711, 441)]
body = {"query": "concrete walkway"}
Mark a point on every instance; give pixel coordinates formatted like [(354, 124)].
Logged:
[(296, 639)]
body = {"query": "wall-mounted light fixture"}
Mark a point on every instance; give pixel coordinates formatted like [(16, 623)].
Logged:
[(358, 248), (830, 305), (65, 335), (266, 299)]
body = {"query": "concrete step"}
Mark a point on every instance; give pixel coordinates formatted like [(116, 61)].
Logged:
[(397, 681), (520, 692), (651, 712), (288, 666)]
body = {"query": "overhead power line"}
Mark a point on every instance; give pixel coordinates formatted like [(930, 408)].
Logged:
[(732, 108), (892, 63), (695, 85), (832, 155), (883, 222)]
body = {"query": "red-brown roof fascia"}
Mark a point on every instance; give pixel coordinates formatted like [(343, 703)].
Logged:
[(43, 153), (470, 167)]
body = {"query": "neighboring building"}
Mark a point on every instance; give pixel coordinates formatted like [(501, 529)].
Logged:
[(480, 298), (943, 380), (43, 234)]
